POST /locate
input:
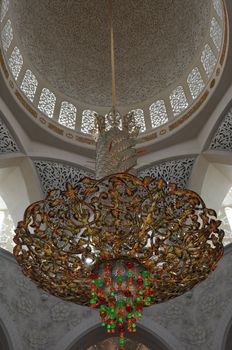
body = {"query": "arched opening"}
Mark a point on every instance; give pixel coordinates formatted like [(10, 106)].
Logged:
[(4, 339), (6, 227), (217, 191), (212, 179), (18, 188), (228, 338), (143, 339), (112, 344)]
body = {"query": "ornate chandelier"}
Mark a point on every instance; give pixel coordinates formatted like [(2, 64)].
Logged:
[(118, 243)]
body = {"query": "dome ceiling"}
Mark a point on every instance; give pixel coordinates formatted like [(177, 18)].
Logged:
[(67, 43)]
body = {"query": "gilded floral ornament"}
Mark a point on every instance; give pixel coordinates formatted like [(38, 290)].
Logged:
[(169, 231)]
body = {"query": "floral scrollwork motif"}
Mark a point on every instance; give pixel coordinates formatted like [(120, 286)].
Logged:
[(63, 239), (60, 312), (25, 306), (37, 339)]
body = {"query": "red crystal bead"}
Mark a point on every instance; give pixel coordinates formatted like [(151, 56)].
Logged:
[(121, 329), (130, 265), (127, 293), (129, 308), (108, 267)]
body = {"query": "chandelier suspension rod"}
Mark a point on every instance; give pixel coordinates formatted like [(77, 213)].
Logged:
[(112, 57)]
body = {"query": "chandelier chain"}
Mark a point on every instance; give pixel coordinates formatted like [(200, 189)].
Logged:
[(112, 49)]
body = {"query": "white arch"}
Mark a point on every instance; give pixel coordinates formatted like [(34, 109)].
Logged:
[(8, 327), (223, 328)]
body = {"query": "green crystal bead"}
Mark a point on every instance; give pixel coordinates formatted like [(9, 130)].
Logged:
[(145, 273), (146, 283), (99, 283), (120, 303)]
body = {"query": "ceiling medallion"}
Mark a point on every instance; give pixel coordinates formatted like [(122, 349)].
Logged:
[(118, 243)]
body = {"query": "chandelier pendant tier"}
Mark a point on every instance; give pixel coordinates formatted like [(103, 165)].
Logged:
[(118, 243)]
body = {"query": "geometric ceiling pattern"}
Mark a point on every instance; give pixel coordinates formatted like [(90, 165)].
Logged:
[(55, 175), (222, 139), (175, 170), (7, 142)]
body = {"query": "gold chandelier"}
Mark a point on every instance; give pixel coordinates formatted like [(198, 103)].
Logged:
[(118, 243)]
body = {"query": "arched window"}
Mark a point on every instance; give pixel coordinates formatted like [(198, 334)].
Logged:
[(195, 83), (7, 35), (88, 121), (158, 114), (139, 119), (29, 85), (15, 62), (4, 8), (68, 113), (178, 100), (208, 60), (218, 8), (216, 33), (47, 102)]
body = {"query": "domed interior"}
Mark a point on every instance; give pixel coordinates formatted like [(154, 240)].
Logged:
[(68, 44), (167, 56)]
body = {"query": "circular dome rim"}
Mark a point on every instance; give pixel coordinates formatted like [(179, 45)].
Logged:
[(151, 134)]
